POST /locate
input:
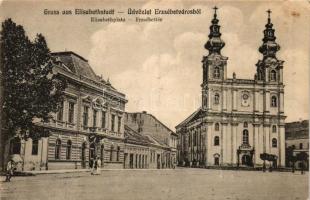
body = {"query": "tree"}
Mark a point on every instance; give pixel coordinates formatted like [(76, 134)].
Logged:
[(31, 90)]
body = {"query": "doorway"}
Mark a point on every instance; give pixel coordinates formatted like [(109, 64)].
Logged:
[(246, 160), (131, 161), (158, 161), (92, 154), (125, 160)]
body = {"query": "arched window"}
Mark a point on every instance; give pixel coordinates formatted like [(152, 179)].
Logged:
[(245, 137), (245, 125), (217, 127), (68, 152), (300, 146), (102, 153), (216, 141), (111, 153), (58, 149), (274, 128), (274, 142), (118, 152), (216, 98), (15, 145), (273, 75), (35, 144), (216, 73), (274, 101)]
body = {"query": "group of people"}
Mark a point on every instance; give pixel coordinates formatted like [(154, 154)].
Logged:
[(96, 166)]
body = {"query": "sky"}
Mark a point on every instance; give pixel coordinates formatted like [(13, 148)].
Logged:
[(158, 65)]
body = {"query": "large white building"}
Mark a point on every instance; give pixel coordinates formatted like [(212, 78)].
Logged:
[(239, 119)]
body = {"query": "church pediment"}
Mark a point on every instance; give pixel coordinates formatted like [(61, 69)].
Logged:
[(194, 116)]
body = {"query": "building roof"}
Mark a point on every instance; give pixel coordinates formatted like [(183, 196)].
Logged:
[(297, 130), (156, 142), (133, 137), (195, 115), (76, 64), (157, 120)]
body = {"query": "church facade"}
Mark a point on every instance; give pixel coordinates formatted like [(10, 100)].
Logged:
[(239, 119)]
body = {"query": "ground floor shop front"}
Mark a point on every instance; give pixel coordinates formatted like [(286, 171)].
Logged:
[(70, 150)]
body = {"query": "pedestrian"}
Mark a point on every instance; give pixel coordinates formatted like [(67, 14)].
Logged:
[(95, 167), (302, 167), (92, 166), (264, 167), (9, 170), (98, 171)]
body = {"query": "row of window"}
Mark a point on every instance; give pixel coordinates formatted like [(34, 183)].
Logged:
[(245, 125), (301, 146), (272, 74), (245, 139), (140, 161), (58, 149), (92, 151), (273, 103), (15, 146), (86, 117)]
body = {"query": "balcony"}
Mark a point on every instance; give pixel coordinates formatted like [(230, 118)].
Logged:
[(62, 124), (103, 132)]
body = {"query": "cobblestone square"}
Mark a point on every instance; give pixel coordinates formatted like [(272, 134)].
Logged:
[(187, 184)]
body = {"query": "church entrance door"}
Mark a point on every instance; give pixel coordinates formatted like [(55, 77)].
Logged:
[(246, 160)]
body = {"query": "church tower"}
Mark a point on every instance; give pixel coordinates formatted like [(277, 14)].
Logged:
[(214, 64), (270, 69), (240, 119)]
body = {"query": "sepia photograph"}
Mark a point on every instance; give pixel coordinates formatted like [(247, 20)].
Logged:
[(154, 100)]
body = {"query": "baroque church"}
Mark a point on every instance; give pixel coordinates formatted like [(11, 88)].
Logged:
[(239, 119)]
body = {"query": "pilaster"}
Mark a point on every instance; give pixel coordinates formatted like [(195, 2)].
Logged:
[(234, 127), (282, 146)]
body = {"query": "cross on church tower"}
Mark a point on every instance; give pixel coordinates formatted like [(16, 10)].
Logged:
[(269, 12), (215, 8)]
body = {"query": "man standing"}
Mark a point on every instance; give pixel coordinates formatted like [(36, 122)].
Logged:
[(9, 170)]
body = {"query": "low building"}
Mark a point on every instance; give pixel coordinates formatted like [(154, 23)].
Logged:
[(296, 140), (160, 135), (145, 152), (89, 123), (137, 150)]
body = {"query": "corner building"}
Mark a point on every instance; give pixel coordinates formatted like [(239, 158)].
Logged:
[(89, 123), (239, 119)]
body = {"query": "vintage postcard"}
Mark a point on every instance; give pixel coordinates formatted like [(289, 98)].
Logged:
[(154, 100)]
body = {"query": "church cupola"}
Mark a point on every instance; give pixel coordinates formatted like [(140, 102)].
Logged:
[(215, 43), (214, 64), (269, 47), (269, 69)]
